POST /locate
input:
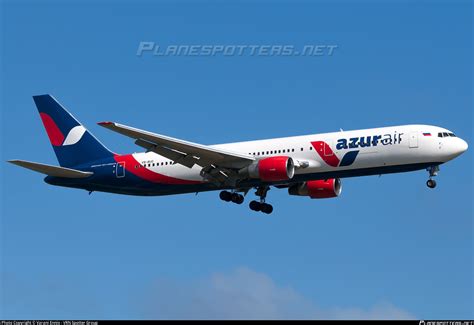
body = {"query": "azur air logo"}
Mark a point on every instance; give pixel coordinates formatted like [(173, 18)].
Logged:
[(330, 158), (369, 141)]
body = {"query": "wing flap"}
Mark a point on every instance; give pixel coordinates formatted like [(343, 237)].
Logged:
[(176, 156), (51, 170)]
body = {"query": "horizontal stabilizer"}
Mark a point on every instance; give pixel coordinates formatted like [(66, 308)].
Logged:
[(51, 170)]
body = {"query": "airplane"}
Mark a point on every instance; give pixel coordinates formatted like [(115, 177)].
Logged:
[(309, 165)]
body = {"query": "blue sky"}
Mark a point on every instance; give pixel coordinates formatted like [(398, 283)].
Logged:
[(388, 247)]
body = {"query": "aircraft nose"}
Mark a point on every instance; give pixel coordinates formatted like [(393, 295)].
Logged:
[(462, 146), (454, 148)]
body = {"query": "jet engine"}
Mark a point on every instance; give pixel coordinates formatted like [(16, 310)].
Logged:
[(320, 189), (272, 169)]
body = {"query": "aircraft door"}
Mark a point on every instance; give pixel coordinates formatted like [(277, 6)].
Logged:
[(120, 169), (413, 140), (328, 149)]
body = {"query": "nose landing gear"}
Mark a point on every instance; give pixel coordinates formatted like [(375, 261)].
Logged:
[(431, 183), (433, 170)]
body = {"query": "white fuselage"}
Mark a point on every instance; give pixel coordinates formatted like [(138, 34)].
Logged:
[(377, 147)]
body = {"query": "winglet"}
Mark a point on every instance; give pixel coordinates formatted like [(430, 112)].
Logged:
[(105, 123)]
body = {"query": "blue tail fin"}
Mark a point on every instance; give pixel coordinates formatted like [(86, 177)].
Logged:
[(72, 143)]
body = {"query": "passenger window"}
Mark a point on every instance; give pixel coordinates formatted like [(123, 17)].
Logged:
[(292, 150), (301, 149), (310, 148)]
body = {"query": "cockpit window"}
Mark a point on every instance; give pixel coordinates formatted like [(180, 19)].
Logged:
[(446, 134)]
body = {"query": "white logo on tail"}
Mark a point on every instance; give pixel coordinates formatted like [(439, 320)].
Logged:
[(74, 135)]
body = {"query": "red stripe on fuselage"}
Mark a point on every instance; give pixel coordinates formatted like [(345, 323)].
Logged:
[(326, 153), (146, 174), (55, 135)]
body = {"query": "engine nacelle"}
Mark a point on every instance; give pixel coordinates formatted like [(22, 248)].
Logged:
[(272, 169), (320, 189)]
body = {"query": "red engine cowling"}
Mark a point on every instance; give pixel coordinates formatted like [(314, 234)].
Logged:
[(320, 189), (272, 169)]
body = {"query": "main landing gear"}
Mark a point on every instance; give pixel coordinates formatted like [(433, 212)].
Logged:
[(231, 196), (254, 205), (261, 205), (433, 170)]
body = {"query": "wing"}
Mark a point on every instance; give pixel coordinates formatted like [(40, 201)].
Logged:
[(51, 170), (180, 151)]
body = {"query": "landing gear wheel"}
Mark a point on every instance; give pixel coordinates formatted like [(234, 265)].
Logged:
[(225, 196), (261, 206), (266, 208), (431, 183), (237, 198), (255, 206)]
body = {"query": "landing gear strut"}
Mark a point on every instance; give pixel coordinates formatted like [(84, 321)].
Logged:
[(234, 197), (433, 170), (261, 205)]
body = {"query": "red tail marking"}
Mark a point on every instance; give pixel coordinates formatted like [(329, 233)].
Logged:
[(54, 133)]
